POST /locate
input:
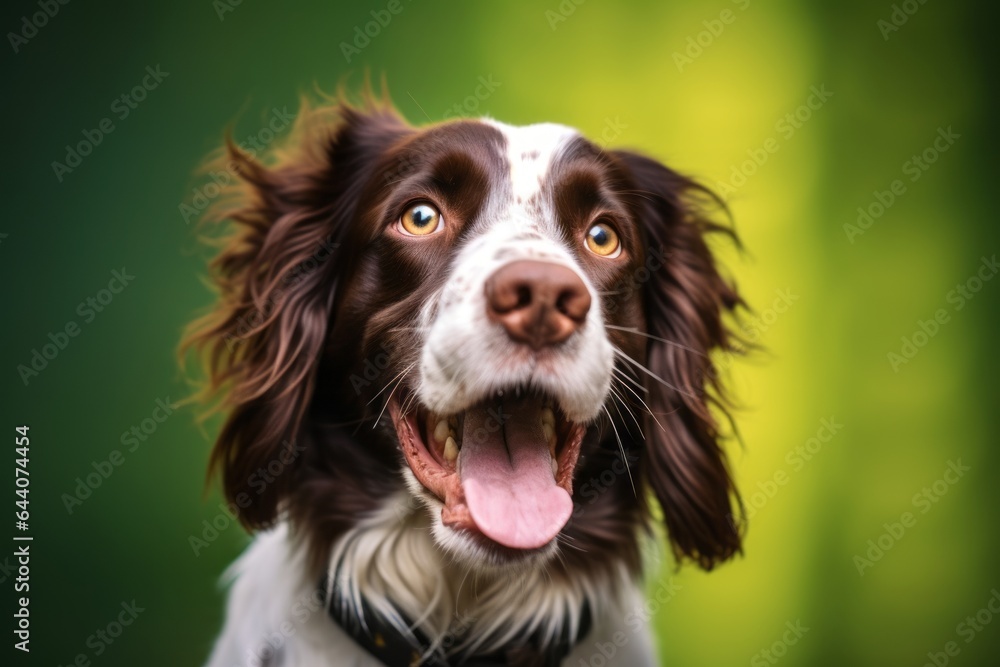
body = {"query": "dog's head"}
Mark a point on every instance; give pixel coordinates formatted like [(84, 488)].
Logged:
[(512, 322)]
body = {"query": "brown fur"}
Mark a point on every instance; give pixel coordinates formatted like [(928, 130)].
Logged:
[(291, 329)]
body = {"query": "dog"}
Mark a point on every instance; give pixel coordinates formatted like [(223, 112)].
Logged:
[(458, 363)]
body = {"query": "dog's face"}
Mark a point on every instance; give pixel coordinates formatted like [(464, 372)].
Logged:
[(520, 237), (516, 312)]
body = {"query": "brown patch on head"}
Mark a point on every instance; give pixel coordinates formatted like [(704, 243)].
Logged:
[(289, 350), (455, 167), (263, 342)]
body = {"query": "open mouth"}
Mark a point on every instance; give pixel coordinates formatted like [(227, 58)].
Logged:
[(503, 468)]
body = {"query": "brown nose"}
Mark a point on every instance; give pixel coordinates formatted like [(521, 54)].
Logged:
[(538, 303)]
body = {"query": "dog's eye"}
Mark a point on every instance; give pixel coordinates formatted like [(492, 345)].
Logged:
[(602, 240), (421, 220)]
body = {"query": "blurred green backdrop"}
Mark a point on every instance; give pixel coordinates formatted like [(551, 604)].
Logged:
[(715, 89)]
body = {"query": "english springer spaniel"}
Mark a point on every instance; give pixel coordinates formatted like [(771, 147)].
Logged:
[(458, 364)]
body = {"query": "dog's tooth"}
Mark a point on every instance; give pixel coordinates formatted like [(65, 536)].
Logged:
[(555, 467), (552, 447), (450, 450), (549, 431), (548, 417), (441, 430)]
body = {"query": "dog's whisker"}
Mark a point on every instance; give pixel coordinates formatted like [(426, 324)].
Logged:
[(621, 399), (567, 541), (397, 376), (630, 383), (652, 374), (389, 398), (417, 328), (621, 447), (406, 407), (615, 399), (458, 591), (645, 405), (657, 338), (624, 375)]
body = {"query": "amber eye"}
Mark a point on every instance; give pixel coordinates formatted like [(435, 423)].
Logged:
[(421, 220), (602, 240)]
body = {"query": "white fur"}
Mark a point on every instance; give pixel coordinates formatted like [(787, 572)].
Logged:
[(465, 357), (273, 602), (530, 152), (274, 617)]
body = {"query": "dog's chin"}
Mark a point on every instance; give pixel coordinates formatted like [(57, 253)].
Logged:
[(497, 476)]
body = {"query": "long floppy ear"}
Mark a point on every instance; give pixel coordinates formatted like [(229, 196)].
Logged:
[(277, 274), (686, 301)]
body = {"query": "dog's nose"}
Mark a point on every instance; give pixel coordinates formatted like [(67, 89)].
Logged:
[(538, 303)]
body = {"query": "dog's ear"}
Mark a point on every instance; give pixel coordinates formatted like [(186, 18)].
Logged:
[(288, 216), (686, 303)]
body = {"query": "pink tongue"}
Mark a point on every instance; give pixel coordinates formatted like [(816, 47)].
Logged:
[(506, 472)]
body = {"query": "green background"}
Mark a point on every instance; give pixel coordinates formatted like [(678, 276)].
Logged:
[(608, 64)]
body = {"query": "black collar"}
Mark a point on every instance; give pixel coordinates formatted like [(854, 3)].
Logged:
[(400, 649)]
